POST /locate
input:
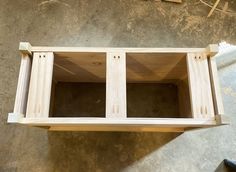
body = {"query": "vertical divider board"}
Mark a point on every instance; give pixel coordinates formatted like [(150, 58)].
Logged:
[(40, 85), (23, 85), (116, 85), (200, 86)]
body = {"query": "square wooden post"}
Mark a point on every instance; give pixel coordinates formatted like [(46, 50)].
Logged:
[(116, 85)]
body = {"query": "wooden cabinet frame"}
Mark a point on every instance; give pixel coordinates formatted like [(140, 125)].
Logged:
[(35, 83)]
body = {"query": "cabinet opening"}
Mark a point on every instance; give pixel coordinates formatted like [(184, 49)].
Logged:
[(79, 85), (157, 85)]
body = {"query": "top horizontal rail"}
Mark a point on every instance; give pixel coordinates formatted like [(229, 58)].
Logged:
[(127, 50), (126, 121), (26, 48)]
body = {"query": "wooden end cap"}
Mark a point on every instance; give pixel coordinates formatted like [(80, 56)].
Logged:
[(212, 49), (222, 119), (14, 117), (25, 48)]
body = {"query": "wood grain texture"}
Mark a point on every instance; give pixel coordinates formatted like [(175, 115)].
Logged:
[(115, 128), (155, 122), (40, 85), (112, 49), (116, 85), (186, 67), (199, 85), (213, 8), (141, 67), (23, 85), (184, 98), (218, 103), (153, 67), (25, 48), (80, 67)]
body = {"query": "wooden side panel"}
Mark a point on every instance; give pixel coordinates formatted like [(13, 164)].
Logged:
[(23, 84), (40, 85), (184, 98), (116, 85), (218, 103), (200, 86), (53, 88)]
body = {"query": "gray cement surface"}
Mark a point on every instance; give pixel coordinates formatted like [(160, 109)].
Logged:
[(117, 23)]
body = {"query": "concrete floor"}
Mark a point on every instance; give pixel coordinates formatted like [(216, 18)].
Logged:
[(126, 23)]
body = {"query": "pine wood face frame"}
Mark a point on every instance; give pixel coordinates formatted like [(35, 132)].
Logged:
[(32, 100)]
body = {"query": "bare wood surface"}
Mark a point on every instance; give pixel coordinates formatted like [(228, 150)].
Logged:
[(23, 85), (40, 85), (218, 102), (200, 86), (116, 85), (213, 8)]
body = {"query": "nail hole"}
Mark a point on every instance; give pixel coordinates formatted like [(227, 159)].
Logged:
[(114, 57), (39, 56), (44, 56), (118, 57), (195, 57), (199, 57)]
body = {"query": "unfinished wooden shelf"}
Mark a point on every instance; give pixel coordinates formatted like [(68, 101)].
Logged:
[(118, 89)]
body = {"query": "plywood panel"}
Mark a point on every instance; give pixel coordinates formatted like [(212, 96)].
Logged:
[(141, 67), (151, 67), (80, 67)]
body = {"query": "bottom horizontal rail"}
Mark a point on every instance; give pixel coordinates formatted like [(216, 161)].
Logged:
[(127, 121), (110, 124)]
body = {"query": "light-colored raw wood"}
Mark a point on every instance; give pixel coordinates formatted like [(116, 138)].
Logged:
[(25, 48), (218, 103), (80, 67), (141, 67), (175, 1), (53, 87), (14, 117), (213, 8), (40, 85), (192, 69), (224, 9), (57, 50), (212, 50), (23, 85), (157, 122), (184, 98), (222, 120), (125, 124), (116, 85), (200, 86), (116, 128), (153, 67)]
